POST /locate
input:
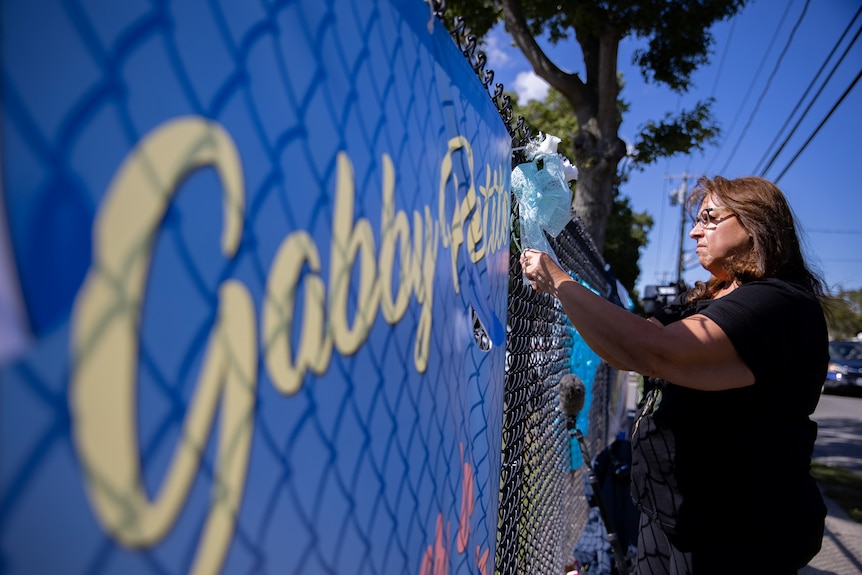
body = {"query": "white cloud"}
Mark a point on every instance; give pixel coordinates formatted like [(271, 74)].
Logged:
[(530, 87), (497, 57)]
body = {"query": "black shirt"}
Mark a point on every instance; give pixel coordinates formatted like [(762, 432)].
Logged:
[(730, 467)]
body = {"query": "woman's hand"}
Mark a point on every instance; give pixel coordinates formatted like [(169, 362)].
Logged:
[(542, 271)]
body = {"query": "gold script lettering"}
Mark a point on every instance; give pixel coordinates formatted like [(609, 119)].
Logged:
[(108, 311), (315, 346), (396, 229), (352, 242), (105, 340)]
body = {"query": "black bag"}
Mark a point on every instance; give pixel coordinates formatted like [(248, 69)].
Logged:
[(612, 468)]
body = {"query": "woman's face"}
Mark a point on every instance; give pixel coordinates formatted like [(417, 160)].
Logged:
[(719, 234)]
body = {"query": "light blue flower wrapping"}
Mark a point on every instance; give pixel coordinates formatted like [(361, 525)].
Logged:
[(544, 199)]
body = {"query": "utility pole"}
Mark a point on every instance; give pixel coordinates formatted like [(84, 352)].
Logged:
[(678, 196)]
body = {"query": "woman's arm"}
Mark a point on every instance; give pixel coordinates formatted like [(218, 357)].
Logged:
[(694, 352)]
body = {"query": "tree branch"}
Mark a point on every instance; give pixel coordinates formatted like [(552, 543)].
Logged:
[(569, 84)]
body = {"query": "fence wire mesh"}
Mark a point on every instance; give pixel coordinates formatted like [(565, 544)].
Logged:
[(352, 471), (542, 504)]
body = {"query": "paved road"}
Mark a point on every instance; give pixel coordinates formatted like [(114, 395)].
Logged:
[(839, 432), (839, 443)]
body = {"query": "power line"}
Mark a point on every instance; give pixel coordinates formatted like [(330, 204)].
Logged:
[(658, 264), (723, 57), (718, 75), (842, 260), (831, 231), (751, 84), (678, 196), (811, 103), (805, 95), (819, 126), (767, 85)]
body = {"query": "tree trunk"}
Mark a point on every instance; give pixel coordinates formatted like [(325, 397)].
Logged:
[(597, 162), (598, 148), (592, 204)]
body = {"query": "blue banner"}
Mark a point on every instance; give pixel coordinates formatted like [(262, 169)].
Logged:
[(253, 297)]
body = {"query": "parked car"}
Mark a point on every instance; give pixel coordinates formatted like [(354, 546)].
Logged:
[(845, 367)]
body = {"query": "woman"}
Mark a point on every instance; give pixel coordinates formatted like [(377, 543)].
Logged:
[(721, 455)]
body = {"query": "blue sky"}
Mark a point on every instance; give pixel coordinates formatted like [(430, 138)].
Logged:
[(763, 74)]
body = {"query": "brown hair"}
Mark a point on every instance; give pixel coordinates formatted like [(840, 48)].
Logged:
[(764, 213)]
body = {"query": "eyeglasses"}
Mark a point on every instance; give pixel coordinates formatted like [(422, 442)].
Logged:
[(707, 221)]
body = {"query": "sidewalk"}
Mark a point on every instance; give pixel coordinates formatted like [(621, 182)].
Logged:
[(839, 443), (841, 553)]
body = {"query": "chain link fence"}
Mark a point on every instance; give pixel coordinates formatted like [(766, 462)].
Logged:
[(542, 504), (205, 203)]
